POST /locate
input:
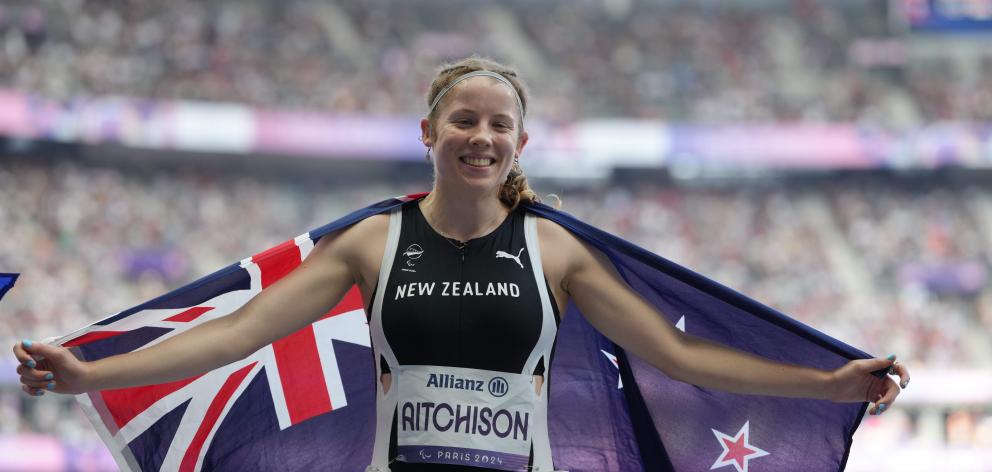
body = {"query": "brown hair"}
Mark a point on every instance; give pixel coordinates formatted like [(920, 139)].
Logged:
[(516, 188)]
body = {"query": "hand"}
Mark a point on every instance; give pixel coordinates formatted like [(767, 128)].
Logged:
[(52, 368), (854, 382)]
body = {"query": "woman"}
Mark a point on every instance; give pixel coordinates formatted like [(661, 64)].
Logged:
[(464, 292)]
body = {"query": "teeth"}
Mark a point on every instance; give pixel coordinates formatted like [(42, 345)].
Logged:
[(477, 161)]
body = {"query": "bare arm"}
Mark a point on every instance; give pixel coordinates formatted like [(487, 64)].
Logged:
[(623, 316), (290, 304)]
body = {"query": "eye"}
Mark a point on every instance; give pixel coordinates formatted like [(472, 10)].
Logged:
[(502, 125), (462, 121)]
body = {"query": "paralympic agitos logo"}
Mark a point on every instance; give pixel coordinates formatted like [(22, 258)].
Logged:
[(412, 253)]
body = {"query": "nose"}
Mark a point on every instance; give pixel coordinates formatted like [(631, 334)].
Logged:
[(481, 136)]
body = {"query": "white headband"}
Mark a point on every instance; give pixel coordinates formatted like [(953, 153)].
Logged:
[(477, 73)]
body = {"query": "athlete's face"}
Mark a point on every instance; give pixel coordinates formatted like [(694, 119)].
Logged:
[(477, 135)]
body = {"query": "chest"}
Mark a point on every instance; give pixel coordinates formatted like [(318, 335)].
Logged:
[(434, 287), (477, 305), (425, 269)]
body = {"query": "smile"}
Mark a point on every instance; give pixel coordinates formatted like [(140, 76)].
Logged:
[(477, 161)]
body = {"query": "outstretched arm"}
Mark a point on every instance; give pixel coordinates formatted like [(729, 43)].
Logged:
[(290, 304), (624, 317)]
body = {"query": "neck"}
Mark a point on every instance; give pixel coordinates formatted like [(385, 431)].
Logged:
[(463, 217)]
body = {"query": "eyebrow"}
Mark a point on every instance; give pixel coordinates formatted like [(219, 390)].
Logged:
[(472, 112)]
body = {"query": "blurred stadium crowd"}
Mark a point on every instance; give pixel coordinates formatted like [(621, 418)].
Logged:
[(809, 61), (881, 264), (886, 264), (855, 259)]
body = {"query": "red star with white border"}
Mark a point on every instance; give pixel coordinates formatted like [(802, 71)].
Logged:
[(737, 450)]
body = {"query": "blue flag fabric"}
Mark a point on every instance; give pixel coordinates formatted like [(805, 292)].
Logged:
[(7, 283), (307, 402), (700, 429)]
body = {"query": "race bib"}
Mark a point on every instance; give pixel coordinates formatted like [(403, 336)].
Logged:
[(450, 415)]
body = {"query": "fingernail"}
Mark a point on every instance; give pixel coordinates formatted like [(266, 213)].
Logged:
[(26, 343), (49, 376), (31, 363), (38, 393), (50, 386), (905, 383), (881, 406), (891, 357)]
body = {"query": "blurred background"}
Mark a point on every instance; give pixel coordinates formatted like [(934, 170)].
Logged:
[(829, 158)]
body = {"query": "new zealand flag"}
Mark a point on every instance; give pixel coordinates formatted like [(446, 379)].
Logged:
[(306, 402)]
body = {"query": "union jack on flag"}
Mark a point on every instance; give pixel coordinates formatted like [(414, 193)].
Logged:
[(306, 402), (296, 378)]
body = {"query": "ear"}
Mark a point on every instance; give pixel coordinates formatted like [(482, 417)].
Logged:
[(425, 132), (522, 142)]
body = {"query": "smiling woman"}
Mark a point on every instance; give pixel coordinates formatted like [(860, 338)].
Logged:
[(464, 290), (487, 109)]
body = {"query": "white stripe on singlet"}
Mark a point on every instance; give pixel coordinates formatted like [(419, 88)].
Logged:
[(542, 350), (385, 403)]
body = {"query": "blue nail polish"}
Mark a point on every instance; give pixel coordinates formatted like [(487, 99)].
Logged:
[(881, 407), (49, 376), (904, 384), (891, 357), (31, 363), (38, 393), (50, 386), (26, 343)]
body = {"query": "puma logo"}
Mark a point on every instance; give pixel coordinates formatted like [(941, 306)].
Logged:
[(506, 255)]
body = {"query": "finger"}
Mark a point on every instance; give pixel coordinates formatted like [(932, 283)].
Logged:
[(34, 392), (879, 363), (903, 373), (45, 384), (34, 374), (889, 394), (39, 350), (22, 354)]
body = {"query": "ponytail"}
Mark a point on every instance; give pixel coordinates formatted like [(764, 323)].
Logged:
[(516, 189)]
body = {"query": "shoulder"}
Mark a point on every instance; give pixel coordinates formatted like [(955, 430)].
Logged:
[(563, 250), (553, 235), (358, 247), (558, 238), (376, 225), (366, 235)]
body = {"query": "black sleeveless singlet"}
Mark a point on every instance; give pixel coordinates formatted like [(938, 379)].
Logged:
[(483, 308)]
